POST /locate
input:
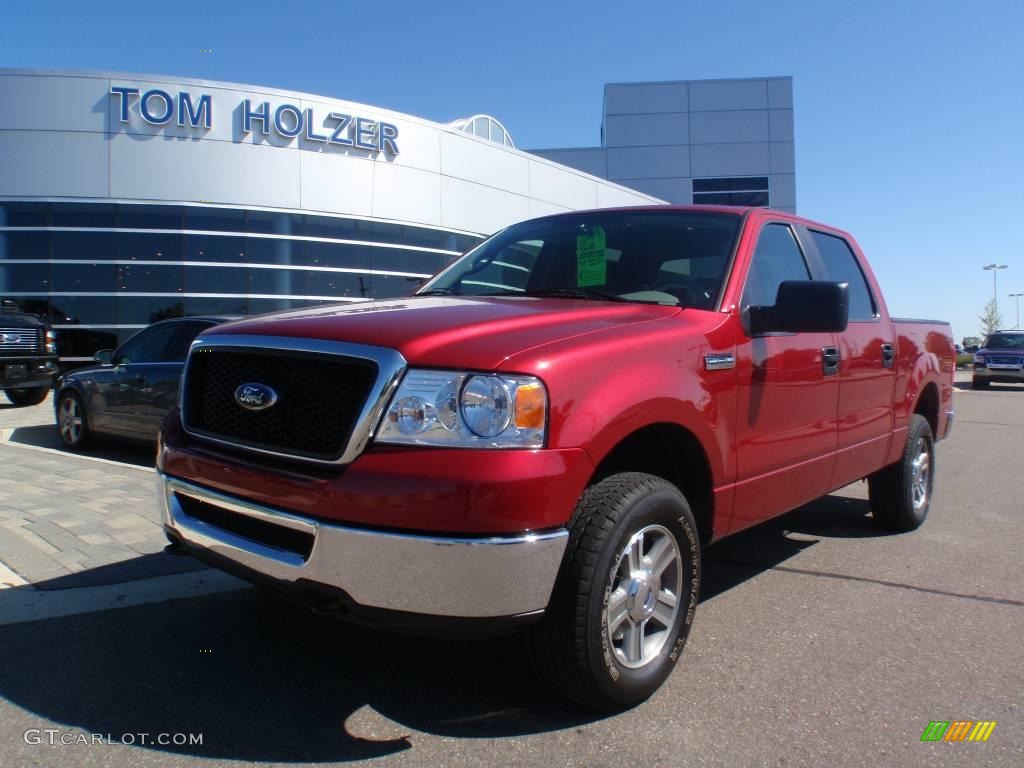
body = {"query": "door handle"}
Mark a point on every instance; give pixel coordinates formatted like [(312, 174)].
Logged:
[(140, 379), (830, 360), (888, 355)]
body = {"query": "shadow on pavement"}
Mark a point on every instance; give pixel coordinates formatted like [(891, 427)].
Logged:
[(143, 567), (965, 386), (45, 436), (267, 681)]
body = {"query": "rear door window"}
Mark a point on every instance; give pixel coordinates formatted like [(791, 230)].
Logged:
[(841, 266)]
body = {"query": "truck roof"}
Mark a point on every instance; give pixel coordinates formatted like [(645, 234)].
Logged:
[(737, 210)]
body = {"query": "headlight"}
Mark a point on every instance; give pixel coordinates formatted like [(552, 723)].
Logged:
[(979, 359), (466, 409), (51, 342)]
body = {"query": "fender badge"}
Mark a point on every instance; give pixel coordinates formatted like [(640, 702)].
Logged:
[(719, 362)]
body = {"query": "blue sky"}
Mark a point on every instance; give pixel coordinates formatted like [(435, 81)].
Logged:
[(909, 115)]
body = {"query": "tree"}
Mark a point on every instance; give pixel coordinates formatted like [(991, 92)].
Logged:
[(991, 321)]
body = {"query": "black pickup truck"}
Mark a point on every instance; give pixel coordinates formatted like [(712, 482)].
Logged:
[(28, 356)]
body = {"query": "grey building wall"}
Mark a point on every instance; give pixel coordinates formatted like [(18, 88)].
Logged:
[(658, 137)]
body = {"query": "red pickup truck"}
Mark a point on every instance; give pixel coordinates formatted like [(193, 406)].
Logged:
[(550, 431)]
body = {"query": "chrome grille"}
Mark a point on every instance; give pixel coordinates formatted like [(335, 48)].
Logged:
[(20, 340), (330, 395)]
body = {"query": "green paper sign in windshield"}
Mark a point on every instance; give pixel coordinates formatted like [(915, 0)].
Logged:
[(591, 261)]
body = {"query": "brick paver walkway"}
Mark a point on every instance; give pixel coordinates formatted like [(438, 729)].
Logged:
[(67, 521)]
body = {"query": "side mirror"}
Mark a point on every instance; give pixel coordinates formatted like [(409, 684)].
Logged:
[(803, 306), (104, 356)]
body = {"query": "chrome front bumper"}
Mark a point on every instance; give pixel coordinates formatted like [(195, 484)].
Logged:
[(490, 577)]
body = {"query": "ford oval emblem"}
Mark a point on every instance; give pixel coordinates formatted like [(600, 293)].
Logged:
[(255, 397)]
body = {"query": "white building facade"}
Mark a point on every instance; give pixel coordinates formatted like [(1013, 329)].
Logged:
[(723, 142), (125, 199)]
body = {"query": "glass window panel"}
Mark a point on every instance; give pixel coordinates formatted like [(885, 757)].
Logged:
[(391, 259), (497, 133), (84, 310), (713, 198), (462, 243), (216, 219), (33, 305), (272, 223), (749, 198), (382, 232), (750, 183), (84, 278), (331, 255), (84, 245), (216, 280), (214, 248), (776, 259), (144, 310), (144, 247), (262, 250), (217, 306), (325, 226), (24, 278), (146, 278), (338, 284), (24, 245), (711, 185), (150, 216), (263, 306), (425, 238), (842, 267), (427, 263), (282, 282), (390, 287), (86, 342), (82, 215), (14, 214)]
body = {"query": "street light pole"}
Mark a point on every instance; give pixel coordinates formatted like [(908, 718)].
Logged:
[(995, 287), (1017, 296)]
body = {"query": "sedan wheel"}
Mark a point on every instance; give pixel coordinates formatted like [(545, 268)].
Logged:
[(71, 422)]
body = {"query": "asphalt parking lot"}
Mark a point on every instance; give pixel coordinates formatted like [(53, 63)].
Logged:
[(819, 641)]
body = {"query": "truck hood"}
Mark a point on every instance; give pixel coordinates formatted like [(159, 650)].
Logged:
[(446, 331)]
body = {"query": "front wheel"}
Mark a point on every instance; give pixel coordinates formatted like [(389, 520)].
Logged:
[(901, 493), (626, 594), (72, 423), (979, 383), (24, 396)]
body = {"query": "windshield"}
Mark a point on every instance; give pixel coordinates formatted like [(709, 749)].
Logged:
[(1005, 341), (670, 257)]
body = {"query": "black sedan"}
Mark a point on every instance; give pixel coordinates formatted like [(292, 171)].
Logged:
[(128, 393)]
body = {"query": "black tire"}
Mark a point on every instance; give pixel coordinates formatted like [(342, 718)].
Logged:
[(69, 402), (25, 396), (572, 651), (979, 383), (894, 491)]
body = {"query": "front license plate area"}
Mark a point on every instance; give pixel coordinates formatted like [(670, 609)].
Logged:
[(17, 371)]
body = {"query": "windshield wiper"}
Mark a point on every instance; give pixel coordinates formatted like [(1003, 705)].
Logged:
[(438, 292), (574, 293)]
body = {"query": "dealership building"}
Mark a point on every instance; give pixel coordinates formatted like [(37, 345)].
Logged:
[(126, 199)]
